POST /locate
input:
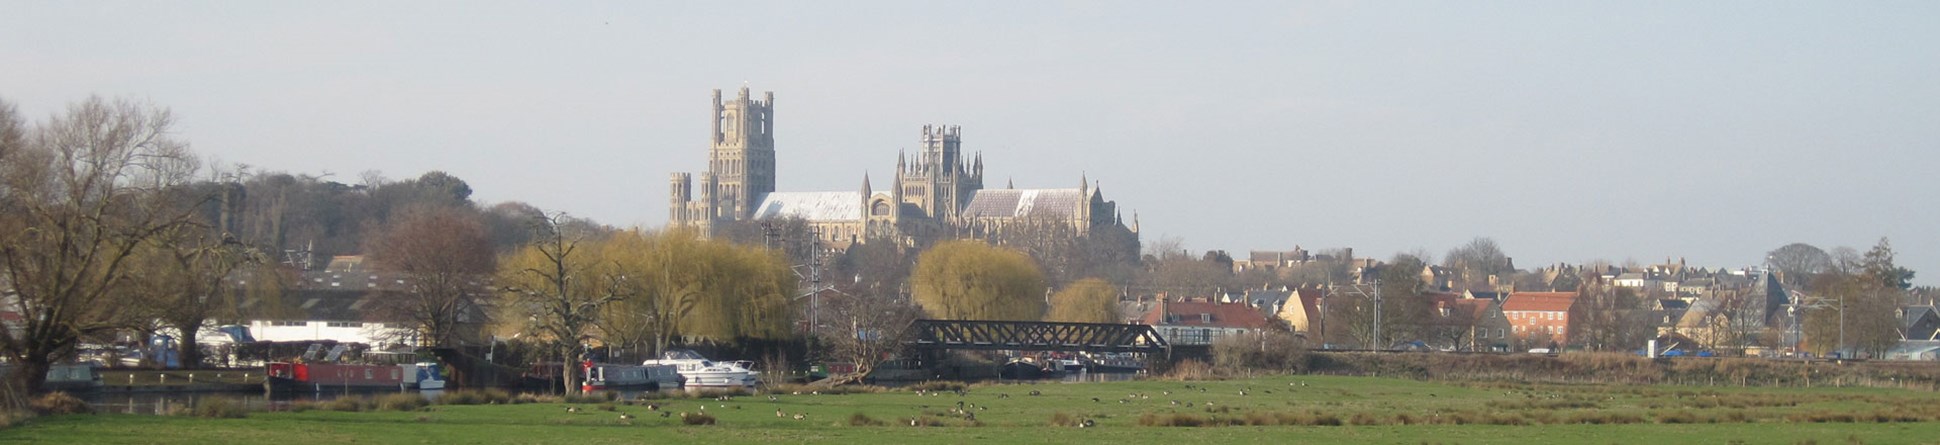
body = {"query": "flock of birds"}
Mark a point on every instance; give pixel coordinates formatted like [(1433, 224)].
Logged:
[(962, 409)]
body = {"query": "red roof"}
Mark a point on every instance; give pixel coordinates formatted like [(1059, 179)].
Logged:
[(1197, 313), (1539, 301)]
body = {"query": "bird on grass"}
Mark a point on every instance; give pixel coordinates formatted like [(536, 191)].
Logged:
[(625, 416), (1035, 393), (778, 413), (772, 398), (665, 414), (572, 409), (800, 417)]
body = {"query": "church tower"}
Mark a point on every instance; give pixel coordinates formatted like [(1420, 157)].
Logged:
[(742, 157)]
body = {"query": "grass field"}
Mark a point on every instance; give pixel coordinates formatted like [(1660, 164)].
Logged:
[(1291, 409)]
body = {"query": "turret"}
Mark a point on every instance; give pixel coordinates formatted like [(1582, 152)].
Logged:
[(709, 201), (682, 187)]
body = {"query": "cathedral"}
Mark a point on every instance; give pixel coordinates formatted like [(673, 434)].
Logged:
[(935, 194)]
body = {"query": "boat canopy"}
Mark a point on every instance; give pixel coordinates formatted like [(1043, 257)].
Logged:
[(681, 354)]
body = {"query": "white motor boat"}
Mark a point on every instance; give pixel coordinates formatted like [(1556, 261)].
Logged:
[(698, 371)]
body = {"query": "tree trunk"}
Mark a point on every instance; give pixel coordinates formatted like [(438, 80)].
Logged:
[(568, 364), (186, 347), (29, 375)]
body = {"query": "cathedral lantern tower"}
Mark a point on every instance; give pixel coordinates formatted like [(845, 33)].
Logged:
[(742, 157)]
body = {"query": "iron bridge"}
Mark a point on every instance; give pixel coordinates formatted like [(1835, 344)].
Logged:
[(1036, 336)]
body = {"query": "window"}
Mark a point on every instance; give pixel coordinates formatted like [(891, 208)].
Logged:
[(288, 323), (344, 324)]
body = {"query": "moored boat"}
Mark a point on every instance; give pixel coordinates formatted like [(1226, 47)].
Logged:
[(603, 376), (698, 371), (319, 377)]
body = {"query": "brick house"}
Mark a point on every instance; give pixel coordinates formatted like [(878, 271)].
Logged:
[(1540, 318)]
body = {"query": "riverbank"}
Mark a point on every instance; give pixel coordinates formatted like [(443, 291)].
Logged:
[(1310, 409), (200, 380)]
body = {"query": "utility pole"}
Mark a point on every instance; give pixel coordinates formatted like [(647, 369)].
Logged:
[(1842, 326), (1378, 344)]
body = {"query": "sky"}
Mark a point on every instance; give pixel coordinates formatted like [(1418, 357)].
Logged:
[(1566, 131)]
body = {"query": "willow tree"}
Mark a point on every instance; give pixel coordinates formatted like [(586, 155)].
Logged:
[(678, 285), (1090, 300), (968, 280)]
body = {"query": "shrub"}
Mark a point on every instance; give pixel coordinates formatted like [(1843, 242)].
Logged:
[(302, 405), (939, 385), (1273, 351), (1190, 369), (696, 419), (860, 419), (709, 393), (57, 403), (796, 388), (488, 396), (1173, 419), (1677, 417), (535, 398), (401, 402), (220, 408)]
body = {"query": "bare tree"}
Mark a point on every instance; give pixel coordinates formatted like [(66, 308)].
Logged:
[(1478, 260), (190, 276), (1608, 318), (443, 255), (81, 195), (1799, 262), (866, 328), (553, 292)]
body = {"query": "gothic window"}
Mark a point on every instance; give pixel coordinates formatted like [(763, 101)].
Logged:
[(880, 209)]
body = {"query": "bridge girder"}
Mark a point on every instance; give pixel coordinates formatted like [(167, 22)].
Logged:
[(1036, 336)]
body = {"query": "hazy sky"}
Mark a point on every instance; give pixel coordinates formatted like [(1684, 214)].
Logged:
[(1567, 131)]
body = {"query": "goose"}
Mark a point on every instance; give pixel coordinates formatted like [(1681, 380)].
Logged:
[(625, 416)]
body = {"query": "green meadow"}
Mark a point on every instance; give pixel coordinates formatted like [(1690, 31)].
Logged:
[(1286, 409)]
